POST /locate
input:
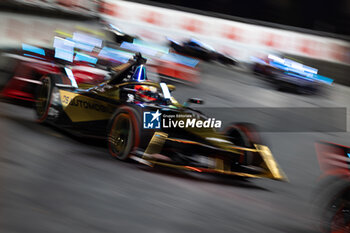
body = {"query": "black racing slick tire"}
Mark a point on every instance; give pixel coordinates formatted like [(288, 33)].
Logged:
[(245, 135), (126, 134), (43, 98), (332, 205)]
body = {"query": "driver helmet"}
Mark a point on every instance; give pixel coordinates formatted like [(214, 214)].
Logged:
[(147, 93)]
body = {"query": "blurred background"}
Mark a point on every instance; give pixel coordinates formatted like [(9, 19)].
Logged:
[(266, 62)]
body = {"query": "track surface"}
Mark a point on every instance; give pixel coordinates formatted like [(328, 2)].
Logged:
[(51, 182)]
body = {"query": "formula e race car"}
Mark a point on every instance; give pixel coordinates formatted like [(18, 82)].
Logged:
[(115, 34), (287, 74), (127, 109), (332, 202), (197, 49), (24, 67)]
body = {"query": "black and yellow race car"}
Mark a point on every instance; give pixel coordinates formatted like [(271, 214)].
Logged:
[(137, 118)]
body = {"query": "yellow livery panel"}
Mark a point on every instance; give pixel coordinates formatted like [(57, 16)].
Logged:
[(81, 108)]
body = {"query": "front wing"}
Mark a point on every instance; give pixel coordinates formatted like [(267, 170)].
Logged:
[(269, 167)]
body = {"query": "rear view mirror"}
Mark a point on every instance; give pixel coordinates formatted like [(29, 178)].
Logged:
[(193, 101), (171, 87)]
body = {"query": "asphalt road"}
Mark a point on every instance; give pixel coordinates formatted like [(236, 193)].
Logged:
[(52, 182)]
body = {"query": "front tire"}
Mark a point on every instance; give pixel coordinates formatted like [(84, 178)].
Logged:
[(245, 135), (124, 132)]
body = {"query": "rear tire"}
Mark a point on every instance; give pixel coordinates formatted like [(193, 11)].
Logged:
[(43, 98)]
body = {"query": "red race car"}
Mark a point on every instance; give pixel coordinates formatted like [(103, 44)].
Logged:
[(31, 63), (333, 195)]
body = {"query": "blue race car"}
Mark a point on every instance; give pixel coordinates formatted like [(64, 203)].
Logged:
[(287, 74)]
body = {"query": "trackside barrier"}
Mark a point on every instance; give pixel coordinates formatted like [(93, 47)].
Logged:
[(240, 40)]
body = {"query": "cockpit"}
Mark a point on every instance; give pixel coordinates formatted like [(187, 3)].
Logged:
[(146, 93)]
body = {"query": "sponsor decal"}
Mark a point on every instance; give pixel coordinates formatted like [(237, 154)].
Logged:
[(90, 105), (82, 108), (157, 120)]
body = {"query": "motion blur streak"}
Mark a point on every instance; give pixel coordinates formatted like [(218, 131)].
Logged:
[(60, 61), (33, 49)]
